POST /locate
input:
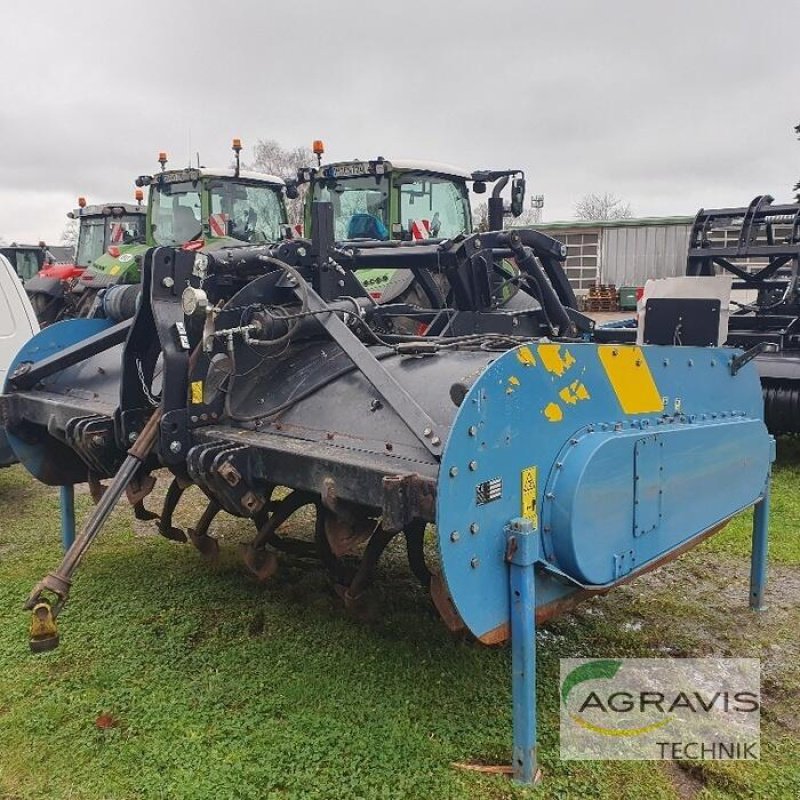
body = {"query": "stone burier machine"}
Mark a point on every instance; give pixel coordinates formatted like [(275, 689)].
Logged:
[(553, 466)]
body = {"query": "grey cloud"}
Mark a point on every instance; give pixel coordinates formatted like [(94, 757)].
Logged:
[(671, 106)]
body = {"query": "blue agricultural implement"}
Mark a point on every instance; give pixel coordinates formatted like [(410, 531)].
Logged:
[(554, 466)]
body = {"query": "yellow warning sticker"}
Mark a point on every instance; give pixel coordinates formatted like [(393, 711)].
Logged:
[(528, 504), (115, 270), (197, 392)]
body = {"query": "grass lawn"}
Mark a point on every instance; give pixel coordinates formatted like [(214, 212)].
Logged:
[(211, 686)]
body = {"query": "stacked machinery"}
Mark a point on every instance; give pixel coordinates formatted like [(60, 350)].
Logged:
[(759, 246)]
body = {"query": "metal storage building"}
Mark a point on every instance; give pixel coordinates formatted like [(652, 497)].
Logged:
[(622, 252)]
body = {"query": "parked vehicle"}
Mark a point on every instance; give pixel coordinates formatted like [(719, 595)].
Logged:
[(17, 325)]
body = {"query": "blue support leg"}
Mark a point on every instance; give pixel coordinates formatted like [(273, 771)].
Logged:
[(758, 558), (67, 516), (522, 555)]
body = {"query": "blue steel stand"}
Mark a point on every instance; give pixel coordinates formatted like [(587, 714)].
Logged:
[(522, 553), (67, 516), (758, 557)]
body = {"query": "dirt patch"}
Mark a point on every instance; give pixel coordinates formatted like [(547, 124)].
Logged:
[(686, 781)]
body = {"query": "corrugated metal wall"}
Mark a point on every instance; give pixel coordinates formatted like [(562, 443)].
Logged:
[(629, 255)]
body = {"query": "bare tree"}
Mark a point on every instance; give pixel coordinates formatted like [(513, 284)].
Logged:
[(69, 236), (604, 206), (269, 156), (529, 218)]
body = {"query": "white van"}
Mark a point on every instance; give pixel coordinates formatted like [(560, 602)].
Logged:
[(17, 325)]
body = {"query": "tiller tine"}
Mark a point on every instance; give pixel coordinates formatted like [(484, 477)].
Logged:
[(139, 488), (262, 563), (207, 545), (96, 488), (141, 513), (165, 526)]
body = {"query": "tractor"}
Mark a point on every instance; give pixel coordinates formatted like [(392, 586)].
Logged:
[(54, 290), (198, 208), (403, 202), (26, 259)]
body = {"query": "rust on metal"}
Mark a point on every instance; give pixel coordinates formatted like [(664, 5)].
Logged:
[(407, 498), (549, 611), (444, 604)]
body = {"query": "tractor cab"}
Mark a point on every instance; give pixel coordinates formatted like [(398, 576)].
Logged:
[(26, 259), (104, 227), (400, 200), (197, 208), (215, 204), (52, 289)]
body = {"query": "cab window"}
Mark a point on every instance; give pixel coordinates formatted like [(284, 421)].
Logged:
[(359, 207), (176, 215), (248, 212), (91, 241), (439, 205)]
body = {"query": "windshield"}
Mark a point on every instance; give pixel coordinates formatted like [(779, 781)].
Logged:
[(246, 211), (27, 263), (433, 207), (176, 214), (359, 207)]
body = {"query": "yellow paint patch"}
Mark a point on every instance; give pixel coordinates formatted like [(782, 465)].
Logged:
[(196, 390), (553, 360), (514, 380), (631, 379), (528, 496), (573, 393), (553, 412), (115, 270), (526, 357)]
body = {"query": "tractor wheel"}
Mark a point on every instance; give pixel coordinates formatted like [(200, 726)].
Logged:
[(46, 307)]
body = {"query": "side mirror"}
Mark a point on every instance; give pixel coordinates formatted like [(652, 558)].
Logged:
[(517, 196), (292, 192), (479, 187)]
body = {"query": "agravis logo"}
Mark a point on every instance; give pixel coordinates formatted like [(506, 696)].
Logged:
[(660, 708), (592, 671)]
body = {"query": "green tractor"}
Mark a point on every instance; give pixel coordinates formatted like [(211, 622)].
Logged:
[(55, 290), (198, 208), (406, 201)]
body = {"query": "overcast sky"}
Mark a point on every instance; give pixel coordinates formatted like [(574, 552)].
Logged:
[(669, 105)]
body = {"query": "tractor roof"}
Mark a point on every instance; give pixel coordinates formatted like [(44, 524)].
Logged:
[(357, 167), (432, 166), (20, 246), (192, 173), (106, 210)]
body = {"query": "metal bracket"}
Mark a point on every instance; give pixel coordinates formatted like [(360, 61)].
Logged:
[(414, 416), (737, 362)]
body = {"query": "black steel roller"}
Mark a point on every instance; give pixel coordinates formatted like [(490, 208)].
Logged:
[(782, 406)]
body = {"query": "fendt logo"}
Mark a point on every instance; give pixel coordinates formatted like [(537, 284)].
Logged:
[(660, 708)]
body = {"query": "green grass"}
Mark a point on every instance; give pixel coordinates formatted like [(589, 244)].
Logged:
[(220, 688)]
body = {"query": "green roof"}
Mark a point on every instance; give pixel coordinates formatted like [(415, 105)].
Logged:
[(633, 222)]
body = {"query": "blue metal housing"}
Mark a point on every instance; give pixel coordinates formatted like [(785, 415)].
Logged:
[(617, 456)]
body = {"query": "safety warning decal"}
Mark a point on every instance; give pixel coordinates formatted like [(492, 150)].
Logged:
[(528, 495)]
